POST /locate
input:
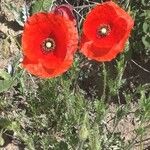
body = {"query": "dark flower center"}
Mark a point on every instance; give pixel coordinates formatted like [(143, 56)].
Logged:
[(48, 45), (103, 30)]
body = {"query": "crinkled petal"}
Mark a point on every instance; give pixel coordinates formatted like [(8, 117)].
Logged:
[(36, 68), (102, 54), (48, 25), (105, 48), (101, 14)]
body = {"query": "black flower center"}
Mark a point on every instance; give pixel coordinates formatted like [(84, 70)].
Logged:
[(48, 45), (103, 30)]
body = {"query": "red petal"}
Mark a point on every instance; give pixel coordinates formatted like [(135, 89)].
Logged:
[(101, 53), (105, 48), (101, 14), (36, 68), (40, 27)]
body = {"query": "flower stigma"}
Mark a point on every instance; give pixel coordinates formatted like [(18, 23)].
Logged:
[(48, 45), (103, 30)]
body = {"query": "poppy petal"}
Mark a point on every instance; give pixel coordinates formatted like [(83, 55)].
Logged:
[(36, 68), (49, 41), (99, 15), (105, 32)]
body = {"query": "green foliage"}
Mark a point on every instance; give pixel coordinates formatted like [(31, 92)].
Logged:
[(6, 81), (83, 132), (146, 29), (41, 5), (4, 123), (55, 114), (94, 138), (145, 3), (1, 139), (143, 113), (140, 41)]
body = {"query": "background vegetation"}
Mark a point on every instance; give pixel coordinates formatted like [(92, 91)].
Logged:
[(93, 106)]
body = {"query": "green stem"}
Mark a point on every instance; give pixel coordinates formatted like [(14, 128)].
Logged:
[(105, 80)]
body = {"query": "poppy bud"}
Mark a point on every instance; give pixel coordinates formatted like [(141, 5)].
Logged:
[(65, 10)]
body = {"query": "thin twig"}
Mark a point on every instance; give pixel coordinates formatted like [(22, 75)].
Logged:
[(140, 66), (84, 6)]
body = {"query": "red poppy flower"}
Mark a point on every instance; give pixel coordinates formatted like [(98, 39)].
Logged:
[(105, 31), (49, 41)]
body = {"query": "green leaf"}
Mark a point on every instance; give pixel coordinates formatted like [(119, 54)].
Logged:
[(47, 4), (41, 5), (146, 41), (146, 27), (4, 75), (5, 85), (145, 2), (6, 81), (37, 7), (147, 13)]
